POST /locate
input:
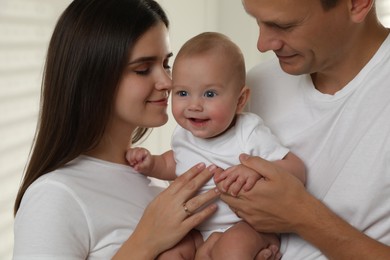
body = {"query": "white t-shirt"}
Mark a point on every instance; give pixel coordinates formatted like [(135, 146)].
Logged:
[(344, 140), (249, 135), (84, 210)]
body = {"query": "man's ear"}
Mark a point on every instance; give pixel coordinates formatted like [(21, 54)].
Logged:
[(359, 9), (243, 99)]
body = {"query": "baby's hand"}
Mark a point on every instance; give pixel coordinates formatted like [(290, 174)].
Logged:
[(233, 181), (140, 159)]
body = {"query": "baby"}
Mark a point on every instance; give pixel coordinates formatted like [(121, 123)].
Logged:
[(208, 98)]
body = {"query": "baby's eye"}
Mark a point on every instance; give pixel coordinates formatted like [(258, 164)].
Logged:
[(182, 93), (210, 94)]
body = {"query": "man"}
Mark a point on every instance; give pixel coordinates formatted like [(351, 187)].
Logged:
[(327, 96)]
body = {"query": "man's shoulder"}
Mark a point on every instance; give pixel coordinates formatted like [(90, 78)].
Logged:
[(266, 71), (266, 65)]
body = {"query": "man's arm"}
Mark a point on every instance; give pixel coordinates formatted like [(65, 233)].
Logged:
[(293, 165), (280, 203)]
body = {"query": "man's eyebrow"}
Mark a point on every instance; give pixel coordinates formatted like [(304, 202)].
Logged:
[(147, 59)]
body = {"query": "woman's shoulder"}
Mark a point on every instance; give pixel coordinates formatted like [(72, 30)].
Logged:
[(49, 219), (48, 191), (83, 179)]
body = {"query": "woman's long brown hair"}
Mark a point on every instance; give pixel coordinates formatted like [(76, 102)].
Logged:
[(87, 53)]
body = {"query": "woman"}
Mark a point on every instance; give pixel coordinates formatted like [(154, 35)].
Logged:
[(106, 81)]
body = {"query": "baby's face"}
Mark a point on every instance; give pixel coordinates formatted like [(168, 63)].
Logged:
[(204, 95)]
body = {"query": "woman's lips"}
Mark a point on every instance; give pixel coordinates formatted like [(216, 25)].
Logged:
[(161, 102)]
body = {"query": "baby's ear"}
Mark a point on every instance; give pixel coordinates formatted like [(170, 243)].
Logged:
[(243, 99)]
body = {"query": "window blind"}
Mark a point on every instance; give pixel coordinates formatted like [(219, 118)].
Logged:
[(25, 29)]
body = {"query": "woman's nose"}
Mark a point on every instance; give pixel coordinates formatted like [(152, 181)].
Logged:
[(164, 81)]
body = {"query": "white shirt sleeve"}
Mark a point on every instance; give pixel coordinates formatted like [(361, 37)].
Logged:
[(45, 229), (258, 140)]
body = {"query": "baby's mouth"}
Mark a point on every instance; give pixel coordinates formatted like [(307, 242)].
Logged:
[(197, 120)]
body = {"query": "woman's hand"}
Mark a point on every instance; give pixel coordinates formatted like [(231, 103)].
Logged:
[(171, 215)]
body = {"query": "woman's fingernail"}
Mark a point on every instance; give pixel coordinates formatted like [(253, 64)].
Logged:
[(214, 206), (244, 156), (217, 191), (267, 254), (200, 165), (212, 167)]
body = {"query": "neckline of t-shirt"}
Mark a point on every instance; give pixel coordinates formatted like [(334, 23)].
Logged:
[(312, 93), (103, 163), (214, 141)]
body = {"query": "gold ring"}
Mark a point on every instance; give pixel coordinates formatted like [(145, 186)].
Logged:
[(186, 210)]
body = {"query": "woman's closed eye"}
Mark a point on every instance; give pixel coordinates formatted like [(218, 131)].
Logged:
[(143, 72), (142, 69)]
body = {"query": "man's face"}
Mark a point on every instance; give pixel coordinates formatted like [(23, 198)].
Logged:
[(304, 37)]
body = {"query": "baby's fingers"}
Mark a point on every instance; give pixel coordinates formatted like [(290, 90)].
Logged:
[(228, 182), (250, 182), (131, 157), (220, 176), (141, 155), (236, 186)]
